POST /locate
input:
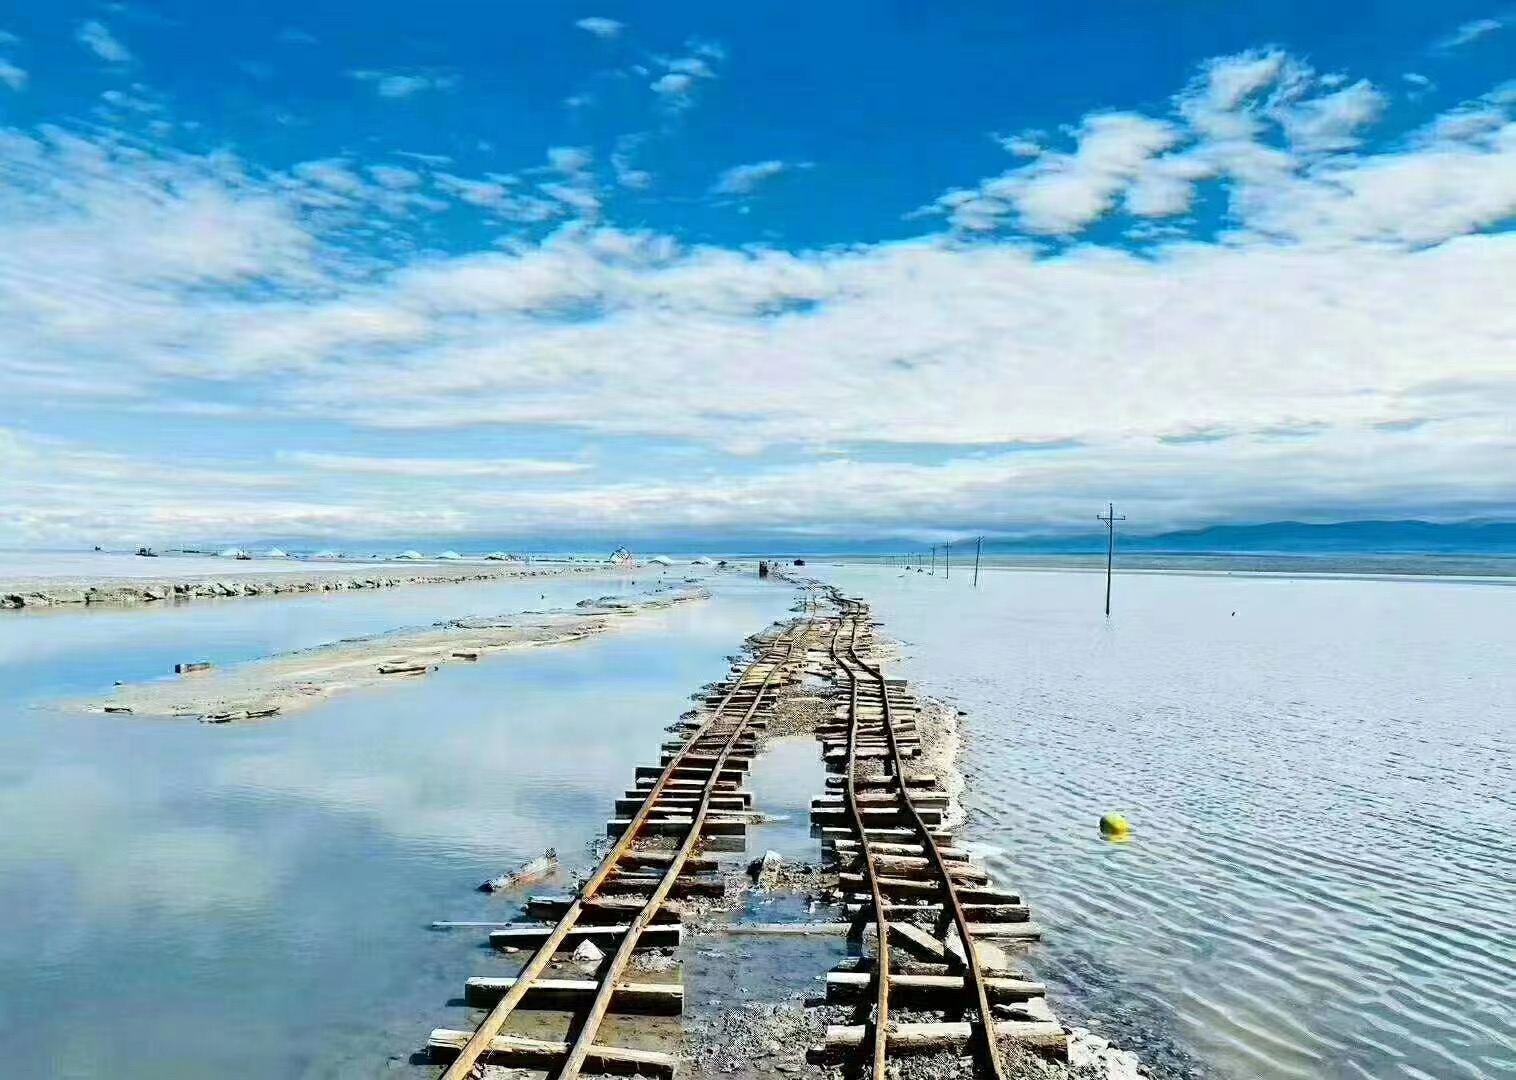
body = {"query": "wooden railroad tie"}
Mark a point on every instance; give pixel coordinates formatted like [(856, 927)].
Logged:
[(646, 999), (519, 1051), (527, 935)]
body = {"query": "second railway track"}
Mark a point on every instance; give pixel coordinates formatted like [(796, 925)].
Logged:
[(931, 912)]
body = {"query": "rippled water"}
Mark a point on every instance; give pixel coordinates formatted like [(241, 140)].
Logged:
[(1320, 774), (254, 901)]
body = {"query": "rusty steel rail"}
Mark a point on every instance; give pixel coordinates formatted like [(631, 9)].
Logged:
[(986, 1042), (462, 1067), (850, 789)]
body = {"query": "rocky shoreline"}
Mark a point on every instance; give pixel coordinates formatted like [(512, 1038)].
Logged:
[(45, 593)]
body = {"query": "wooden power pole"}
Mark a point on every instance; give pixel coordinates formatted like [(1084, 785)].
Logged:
[(978, 547), (1110, 518)]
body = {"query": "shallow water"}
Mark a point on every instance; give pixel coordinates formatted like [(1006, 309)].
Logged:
[(254, 901), (1320, 774), (48, 651)]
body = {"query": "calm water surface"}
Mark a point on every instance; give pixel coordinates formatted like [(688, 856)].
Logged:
[(1322, 783), (253, 901)]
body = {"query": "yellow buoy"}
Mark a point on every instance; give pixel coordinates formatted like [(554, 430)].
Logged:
[(1115, 827)]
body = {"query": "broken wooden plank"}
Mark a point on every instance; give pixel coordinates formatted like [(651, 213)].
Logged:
[(403, 669)]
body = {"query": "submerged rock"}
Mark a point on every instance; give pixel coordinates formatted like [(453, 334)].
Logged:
[(765, 871), (587, 952)]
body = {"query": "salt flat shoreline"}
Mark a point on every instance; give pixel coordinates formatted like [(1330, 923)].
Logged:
[(282, 684), (48, 592)]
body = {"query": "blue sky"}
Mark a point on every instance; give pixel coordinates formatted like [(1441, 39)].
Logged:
[(340, 270)]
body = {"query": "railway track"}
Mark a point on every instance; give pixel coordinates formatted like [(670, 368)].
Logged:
[(693, 797), (931, 911)]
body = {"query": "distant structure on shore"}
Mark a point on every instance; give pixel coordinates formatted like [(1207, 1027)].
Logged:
[(620, 557)]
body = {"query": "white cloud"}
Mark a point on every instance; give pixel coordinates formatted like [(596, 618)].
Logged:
[(745, 179), (1331, 121), (676, 85), (673, 87), (12, 76), (569, 159), (601, 27), (1350, 289), (442, 468), (1470, 32), (1021, 145), (1062, 193), (693, 66), (626, 173), (393, 176), (1277, 139), (393, 84), (96, 37)]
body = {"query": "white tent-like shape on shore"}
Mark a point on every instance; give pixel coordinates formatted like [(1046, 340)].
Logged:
[(450, 555), (276, 553), (703, 560), (662, 560), (410, 554), (234, 553)]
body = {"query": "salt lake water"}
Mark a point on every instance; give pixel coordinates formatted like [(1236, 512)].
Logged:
[(253, 901), (1321, 778), (1321, 884)]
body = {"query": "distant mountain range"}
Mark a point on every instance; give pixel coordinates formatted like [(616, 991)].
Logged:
[(1271, 538), (1297, 538)]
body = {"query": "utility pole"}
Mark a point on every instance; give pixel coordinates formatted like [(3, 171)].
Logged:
[(978, 547), (947, 559), (1110, 518), (934, 558)]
